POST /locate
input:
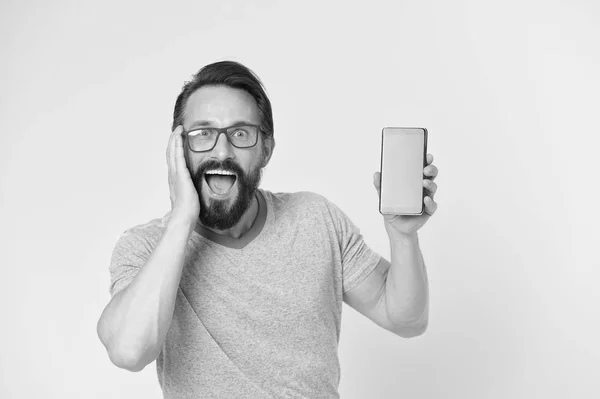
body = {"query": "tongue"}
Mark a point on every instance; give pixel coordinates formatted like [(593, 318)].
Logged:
[(220, 184)]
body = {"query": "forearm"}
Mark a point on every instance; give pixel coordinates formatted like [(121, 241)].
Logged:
[(406, 291), (134, 325)]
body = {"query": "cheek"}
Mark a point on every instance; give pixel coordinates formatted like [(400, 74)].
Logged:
[(259, 156), (188, 158), (193, 162), (254, 165), (249, 160)]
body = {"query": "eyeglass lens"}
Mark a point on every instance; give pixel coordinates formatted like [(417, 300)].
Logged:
[(240, 136)]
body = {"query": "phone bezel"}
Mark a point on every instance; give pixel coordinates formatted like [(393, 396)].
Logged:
[(381, 169)]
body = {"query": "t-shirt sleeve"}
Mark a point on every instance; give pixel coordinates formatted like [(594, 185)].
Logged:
[(358, 260), (130, 253)]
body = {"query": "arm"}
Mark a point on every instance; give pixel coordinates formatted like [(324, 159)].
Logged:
[(395, 296), (133, 326), (406, 293)]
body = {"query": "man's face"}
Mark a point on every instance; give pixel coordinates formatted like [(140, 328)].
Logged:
[(223, 199)]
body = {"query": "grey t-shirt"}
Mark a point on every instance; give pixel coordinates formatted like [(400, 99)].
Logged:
[(256, 317)]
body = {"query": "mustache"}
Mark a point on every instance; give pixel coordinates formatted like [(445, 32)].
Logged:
[(228, 165), (242, 178)]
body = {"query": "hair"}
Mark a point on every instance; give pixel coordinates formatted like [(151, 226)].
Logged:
[(232, 74)]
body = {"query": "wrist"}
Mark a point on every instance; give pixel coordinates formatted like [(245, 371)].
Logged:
[(403, 238), (180, 222)]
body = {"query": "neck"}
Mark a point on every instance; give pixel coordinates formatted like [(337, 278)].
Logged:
[(244, 224)]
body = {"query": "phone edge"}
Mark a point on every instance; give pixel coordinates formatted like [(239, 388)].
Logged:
[(425, 133), (425, 140), (381, 169)]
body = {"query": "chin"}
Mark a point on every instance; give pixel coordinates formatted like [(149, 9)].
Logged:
[(220, 214), (209, 200)]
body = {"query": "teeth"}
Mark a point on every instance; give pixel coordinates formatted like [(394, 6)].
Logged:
[(219, 172)]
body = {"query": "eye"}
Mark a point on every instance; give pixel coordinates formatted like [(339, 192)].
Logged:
[(200, 133), (240, 133)]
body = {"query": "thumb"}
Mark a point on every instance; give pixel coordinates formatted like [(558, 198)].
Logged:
[(377, 182)]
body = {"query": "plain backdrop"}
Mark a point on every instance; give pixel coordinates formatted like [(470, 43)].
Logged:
[(508, 91)]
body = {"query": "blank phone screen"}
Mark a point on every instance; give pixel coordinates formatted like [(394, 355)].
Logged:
[(402, 162)]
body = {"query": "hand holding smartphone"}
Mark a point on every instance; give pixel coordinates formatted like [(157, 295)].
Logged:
[(403, 157)]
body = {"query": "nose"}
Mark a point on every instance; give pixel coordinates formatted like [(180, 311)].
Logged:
[(223, 148)]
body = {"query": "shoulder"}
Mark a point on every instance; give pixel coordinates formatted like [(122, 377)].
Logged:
[(297, 200), (305, 208), (144, 235)]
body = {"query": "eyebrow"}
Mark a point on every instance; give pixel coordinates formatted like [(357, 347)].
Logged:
[(208, 123)]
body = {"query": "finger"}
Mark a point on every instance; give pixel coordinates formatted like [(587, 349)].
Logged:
[(430, 186), (170, 163), (179, 157), (169, 145), (429, 159), (431, 171), (430, 205), (376, 179), (176, 144), (172, 143)]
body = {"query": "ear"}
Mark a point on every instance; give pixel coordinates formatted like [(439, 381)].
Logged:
[(268, 147)]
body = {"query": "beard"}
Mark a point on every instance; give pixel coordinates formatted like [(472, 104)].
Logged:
[(220, 214)]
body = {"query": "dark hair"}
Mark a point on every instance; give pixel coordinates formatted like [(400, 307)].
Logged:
[(232, 74)]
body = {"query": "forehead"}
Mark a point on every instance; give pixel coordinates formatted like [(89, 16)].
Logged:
[(220, 106)]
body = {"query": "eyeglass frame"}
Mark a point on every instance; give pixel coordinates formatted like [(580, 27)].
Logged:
[(220, 131)]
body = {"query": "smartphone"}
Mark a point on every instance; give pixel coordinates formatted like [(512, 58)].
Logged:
[(403, 157)]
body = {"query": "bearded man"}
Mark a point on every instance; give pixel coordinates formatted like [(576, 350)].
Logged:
[(237, 292)]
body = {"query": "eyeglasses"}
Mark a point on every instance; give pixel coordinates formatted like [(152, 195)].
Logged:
[(205, 138)]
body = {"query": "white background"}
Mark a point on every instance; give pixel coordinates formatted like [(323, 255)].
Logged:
[(508, 91)]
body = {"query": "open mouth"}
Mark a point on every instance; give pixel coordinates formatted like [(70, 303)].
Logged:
[(220, 181)]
